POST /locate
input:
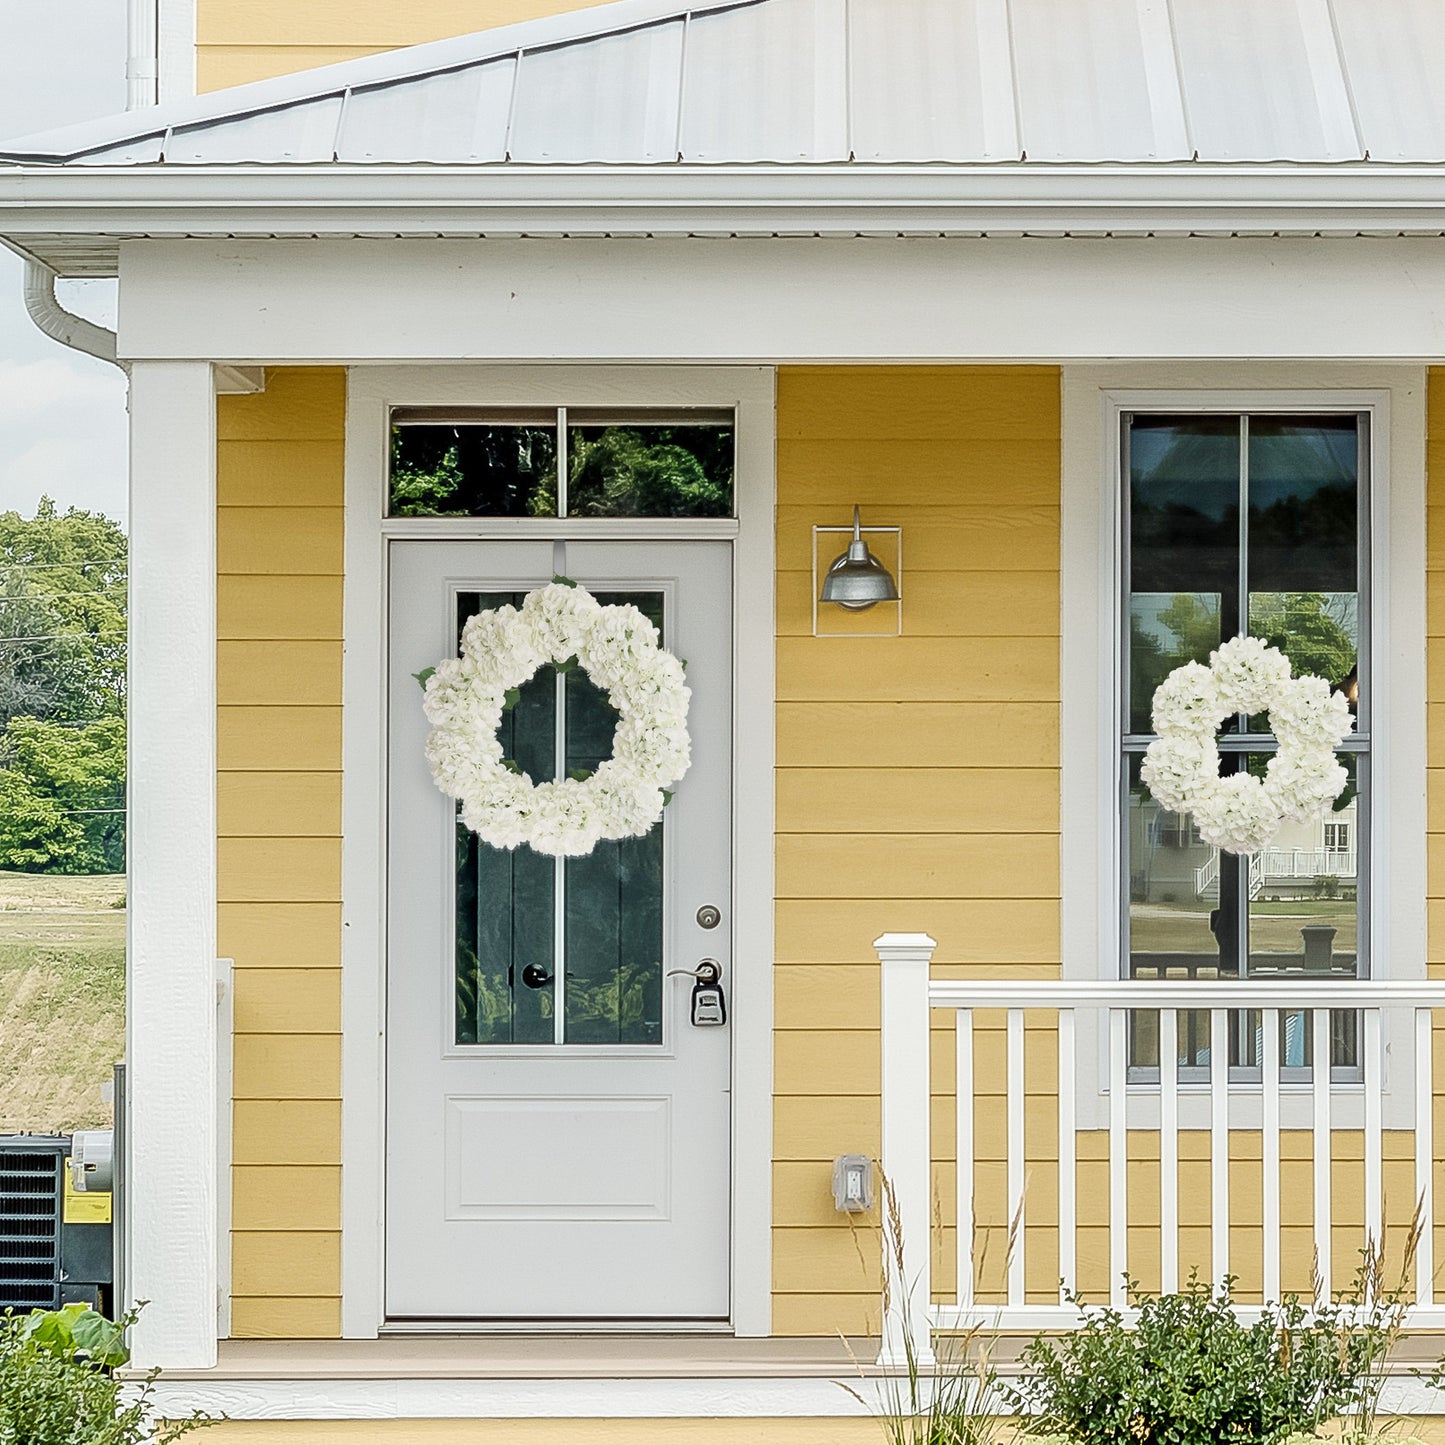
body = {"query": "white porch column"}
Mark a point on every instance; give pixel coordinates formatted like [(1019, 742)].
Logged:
[(903, 960), (171, 937)]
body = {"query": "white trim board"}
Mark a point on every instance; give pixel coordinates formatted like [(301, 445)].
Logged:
[(1093, 399), (685, 1399), (780, 300), (370, 393)]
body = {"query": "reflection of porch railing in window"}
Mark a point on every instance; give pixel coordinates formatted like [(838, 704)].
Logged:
[(1206, 878), (1249, 1178), (1308, 863)]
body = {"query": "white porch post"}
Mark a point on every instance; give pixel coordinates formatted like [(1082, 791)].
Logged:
[(171, 938), (903, 964)]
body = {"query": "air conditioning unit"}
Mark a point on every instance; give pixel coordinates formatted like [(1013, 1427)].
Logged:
[(56, 1242)]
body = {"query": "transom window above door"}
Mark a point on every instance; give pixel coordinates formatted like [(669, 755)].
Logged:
[(1245, 524), (561, 462)]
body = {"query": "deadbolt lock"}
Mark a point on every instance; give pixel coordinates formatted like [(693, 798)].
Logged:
[(708, 916)]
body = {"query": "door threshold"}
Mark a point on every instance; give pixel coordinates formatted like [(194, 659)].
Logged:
[(556, 1327)]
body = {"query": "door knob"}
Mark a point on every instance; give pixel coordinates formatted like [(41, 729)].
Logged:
[(535, 976)]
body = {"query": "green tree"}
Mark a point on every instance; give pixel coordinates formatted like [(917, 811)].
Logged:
[(62, 691), (62, 615), (62, 792)]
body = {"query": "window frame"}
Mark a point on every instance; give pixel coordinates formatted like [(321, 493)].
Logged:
[(1360, 742), (1093, 394)]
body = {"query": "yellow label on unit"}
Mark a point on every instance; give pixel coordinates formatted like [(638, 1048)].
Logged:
[(83, 1208)]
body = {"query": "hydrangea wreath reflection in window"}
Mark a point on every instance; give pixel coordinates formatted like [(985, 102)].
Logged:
[(561, 463), (1257, 525)]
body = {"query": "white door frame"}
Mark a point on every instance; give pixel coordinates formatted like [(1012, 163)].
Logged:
[(371, 392)]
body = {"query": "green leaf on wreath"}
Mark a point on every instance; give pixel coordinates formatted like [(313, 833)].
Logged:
[(579, 775), (562, 581), (666, 797), (569, 665), (512, 766), (424, 676), (511, 698)]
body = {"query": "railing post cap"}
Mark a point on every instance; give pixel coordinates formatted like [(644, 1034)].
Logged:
[(905, 943)]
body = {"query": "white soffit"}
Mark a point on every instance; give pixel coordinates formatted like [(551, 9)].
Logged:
[(738, 82)]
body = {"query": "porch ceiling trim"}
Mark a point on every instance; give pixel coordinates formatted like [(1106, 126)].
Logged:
[(74, 219)]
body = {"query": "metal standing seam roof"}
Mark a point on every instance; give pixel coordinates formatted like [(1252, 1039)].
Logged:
[(852, 82)]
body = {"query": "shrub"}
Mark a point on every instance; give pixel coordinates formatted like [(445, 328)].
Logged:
[(57, 1385), (1190, 1372)]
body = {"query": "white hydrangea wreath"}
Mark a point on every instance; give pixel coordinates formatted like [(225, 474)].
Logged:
[(466, 696), (1241, 813)]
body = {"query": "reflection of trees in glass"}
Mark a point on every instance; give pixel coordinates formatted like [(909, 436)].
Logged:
[(615, 1008), (510, 470), (1185, 630), (474, 470), (1315, 630), (650, 471)]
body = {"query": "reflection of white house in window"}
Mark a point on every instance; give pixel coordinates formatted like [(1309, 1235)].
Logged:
[(1304, 880)]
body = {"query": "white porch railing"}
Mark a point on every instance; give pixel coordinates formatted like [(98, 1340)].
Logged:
[(1084, 1029)]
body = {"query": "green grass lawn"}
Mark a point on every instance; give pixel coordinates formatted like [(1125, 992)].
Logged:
[(62, 999)]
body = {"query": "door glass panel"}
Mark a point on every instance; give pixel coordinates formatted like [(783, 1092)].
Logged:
[(517, 910)]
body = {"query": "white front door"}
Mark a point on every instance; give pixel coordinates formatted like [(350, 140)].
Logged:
[(558, 1130)]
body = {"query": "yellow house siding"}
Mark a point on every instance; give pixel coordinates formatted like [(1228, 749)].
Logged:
[(278, 656), (918, 777), (244, 40)]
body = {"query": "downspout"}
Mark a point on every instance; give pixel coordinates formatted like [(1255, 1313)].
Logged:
[(142, 61), (45, 310), (59, 324)]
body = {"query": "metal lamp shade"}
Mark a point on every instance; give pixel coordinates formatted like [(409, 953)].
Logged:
[(857, 580)]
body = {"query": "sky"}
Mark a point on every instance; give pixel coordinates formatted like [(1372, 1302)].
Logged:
[(62, 414)]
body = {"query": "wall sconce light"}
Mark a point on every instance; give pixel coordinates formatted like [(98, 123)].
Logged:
[(855, 580)]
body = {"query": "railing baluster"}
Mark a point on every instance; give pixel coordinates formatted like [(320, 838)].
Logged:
[(1068, 1123), (1118, 1156), (1374, 1134), (963, 1088), (1219, 1144), (1168, 1150), (1269, 1073), (1425, 1155), (1323, 1147), (1016, 1157)]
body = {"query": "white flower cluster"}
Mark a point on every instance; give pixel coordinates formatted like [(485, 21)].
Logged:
[(467, 695), (1241, 813)]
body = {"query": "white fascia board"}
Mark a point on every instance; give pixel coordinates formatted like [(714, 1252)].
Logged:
[(166, 201), (781, 301)]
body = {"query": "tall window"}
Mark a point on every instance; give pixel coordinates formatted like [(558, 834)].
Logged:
[(1245, 524)]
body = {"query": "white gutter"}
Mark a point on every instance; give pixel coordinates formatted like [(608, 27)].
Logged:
[(48, 209)]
